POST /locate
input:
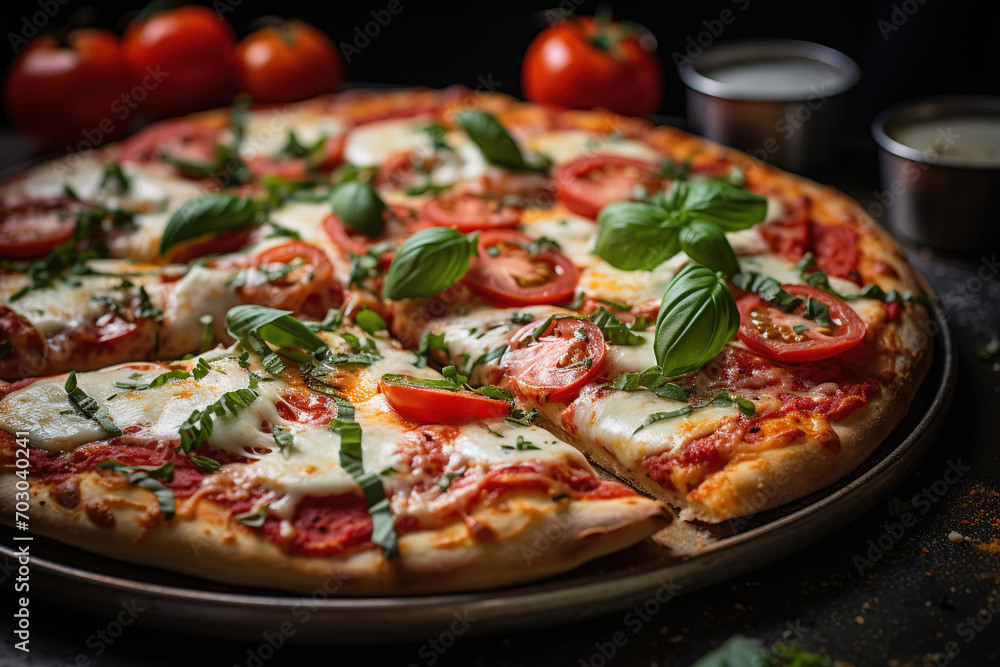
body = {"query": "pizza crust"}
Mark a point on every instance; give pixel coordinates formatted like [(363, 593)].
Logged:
[(535, 538)]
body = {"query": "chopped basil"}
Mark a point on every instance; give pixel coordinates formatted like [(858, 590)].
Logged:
[(519, 417), (770, 290), (445, 482), (810, 272), (113, 179), (198, 427), (800, 329), (429, 343), (254, 518), (148, 477), (651, 380), (207, 334), (351, 459), (283, 439), (722, 399), (521, 445), (615, 331), (88, 407)]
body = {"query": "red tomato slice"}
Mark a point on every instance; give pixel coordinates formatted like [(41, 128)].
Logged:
[(588, 184), (309, 290), (769, 331), (33, 229), (555, 363), (108, 328), (179, 139), (398, 227), (469, 213), (29, 351), (306, 408), (505, 274), (431, 405)]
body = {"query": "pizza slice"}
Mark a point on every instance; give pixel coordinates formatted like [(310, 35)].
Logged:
[(295, 457)]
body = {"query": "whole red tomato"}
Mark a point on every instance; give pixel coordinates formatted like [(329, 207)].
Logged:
[(65, 93), (585, 63), (289, 62), (185, 58)]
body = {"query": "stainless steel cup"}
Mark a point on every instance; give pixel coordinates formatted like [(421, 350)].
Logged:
[(932, 196), (792, 129)]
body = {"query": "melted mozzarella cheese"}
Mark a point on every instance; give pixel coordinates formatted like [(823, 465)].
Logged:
[(267, 131), (372, 144), (567, 145), (43, 410), (610, 421)]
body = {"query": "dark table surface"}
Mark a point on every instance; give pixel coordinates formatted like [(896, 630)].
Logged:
[(873, 593)]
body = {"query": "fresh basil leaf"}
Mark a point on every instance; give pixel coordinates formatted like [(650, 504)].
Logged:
[(698, 316), (445, 482), (207, 334), (494, 392), (204, 463), (707, 244), (615, 331), (277, 327), (209, 214), (496, 144), (521, 445), (723, 205), (88, 407), (295, 148), (429, 261), (359, 207), (370, 321), (636, 236)]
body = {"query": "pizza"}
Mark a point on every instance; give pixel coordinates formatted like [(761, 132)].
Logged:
[(432, 340)]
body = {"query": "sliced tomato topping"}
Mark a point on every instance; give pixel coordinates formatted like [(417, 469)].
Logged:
[(295, 276), (588, 184), (110, 327), (33, 229), (468, 212), (28, 349), (306, 408), (556, 361), (433, 405), (399, 225), (510, 272), (179, 139), (791, 337)]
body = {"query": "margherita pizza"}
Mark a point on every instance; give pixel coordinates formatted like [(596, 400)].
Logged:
[(387, 334)]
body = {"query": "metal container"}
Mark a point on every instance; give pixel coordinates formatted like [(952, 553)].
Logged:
[(790, 123), (939, 197)]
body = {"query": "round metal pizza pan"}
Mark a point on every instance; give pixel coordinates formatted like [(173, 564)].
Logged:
[(647, 572)]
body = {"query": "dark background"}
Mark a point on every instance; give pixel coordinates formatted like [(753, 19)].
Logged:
[(906, 48)]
